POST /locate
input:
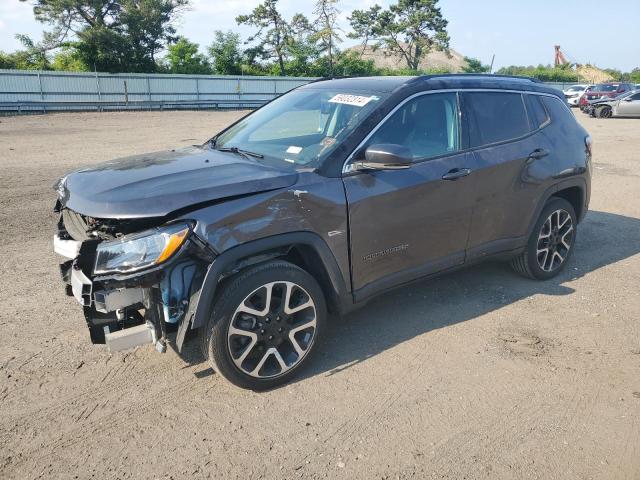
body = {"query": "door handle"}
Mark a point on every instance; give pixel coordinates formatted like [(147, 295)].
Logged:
[(456, 173), (538, 153)]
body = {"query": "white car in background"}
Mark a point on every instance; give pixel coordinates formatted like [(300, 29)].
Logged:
[(574, 92)]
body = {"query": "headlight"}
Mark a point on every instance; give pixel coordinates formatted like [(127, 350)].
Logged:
[(141, 250)]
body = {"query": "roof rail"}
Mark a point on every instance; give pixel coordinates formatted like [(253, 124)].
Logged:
[(480, 75)]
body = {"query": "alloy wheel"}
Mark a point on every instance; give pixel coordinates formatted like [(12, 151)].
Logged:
[(272, 329), (555, 240)]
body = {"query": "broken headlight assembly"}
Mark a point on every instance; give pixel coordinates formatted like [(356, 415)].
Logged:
[(141, 250)]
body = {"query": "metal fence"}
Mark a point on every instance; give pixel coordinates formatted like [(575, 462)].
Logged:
[(42, 91), (25, 91)]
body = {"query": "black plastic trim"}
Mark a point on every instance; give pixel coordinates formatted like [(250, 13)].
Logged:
[(226, 262)]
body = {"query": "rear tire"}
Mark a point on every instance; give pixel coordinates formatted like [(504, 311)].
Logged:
[(265, 325), (550, 245)]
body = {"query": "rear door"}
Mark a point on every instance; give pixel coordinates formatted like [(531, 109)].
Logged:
[(408, 223), (501, 134), (630, 106)]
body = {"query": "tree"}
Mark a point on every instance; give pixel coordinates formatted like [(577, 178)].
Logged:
[(475, 66), (273, 32), (410, 28), (183, 57), (541, 72), (225, 53), (363, 23), (326, 29), (112, 35), (68, 60), (32, 57)]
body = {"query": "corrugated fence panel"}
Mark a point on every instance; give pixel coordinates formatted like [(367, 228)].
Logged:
[(40, 90), (85, 90)]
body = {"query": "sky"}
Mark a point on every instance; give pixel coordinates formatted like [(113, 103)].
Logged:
[(518, 32)]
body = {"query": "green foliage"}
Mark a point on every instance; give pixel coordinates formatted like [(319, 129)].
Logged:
[(226, 54), (31, 57), (68, 60), (617, 75), (272, 33), (475, 66), (326, 32), (111, 35), (541, 72), (127, 36), (183, 57), (363, 23), (350, 64), (410, 28)]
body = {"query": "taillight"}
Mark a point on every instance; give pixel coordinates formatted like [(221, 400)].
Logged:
[(588, 143)]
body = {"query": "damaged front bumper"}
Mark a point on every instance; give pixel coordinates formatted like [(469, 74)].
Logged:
[(125, 310)]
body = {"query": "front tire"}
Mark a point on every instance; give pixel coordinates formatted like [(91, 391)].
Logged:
[(265, 325), (551, 242), (604, 112)]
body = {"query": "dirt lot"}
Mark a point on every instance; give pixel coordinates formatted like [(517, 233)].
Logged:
[(481, 374)]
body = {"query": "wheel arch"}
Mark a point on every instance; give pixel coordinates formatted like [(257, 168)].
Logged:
[(575, 195), (304, 249), (572, 190)]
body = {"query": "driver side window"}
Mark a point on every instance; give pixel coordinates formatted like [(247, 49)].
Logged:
[(427, 125)]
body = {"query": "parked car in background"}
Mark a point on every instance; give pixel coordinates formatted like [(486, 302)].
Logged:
[(323, 198), (589, 108), (608, 90), (603, 91), (574, 93), (583, 103), (626, 105)]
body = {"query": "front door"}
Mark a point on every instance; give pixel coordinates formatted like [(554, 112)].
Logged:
[(630, 106), (409, 223)]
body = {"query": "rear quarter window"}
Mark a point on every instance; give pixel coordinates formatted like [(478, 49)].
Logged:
[(558, 111), (494, 117), (536, 112)]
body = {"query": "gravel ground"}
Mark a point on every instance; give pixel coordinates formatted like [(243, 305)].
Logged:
[(480, 374)]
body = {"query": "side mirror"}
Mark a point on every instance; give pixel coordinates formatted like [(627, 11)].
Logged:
[(628, 99), (385, 156)]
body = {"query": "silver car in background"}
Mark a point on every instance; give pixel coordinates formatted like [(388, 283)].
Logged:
[(626, 105)]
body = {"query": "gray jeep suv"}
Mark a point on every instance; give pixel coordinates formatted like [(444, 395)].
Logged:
[(328, 195)]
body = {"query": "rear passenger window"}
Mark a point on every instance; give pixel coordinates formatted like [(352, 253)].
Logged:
[(536, 111), (494, 117)]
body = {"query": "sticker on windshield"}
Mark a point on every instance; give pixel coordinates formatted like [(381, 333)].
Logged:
[(355, 100), (293, 149)]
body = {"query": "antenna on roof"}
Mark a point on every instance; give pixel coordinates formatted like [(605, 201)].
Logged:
[(491, 67)]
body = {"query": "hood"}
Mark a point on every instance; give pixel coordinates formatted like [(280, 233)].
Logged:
[(156, 184), (602, 100)]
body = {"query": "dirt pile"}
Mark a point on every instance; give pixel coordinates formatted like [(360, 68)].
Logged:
[(382, 58), (591, 74)]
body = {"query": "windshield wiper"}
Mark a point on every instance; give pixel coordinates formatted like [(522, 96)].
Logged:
[(245, 153)]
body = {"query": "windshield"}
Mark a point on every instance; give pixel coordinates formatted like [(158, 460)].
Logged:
[(575, 89), (301, 127), (605, 88)]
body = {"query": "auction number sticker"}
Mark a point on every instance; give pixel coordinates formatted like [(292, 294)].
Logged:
[(355, 100)]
